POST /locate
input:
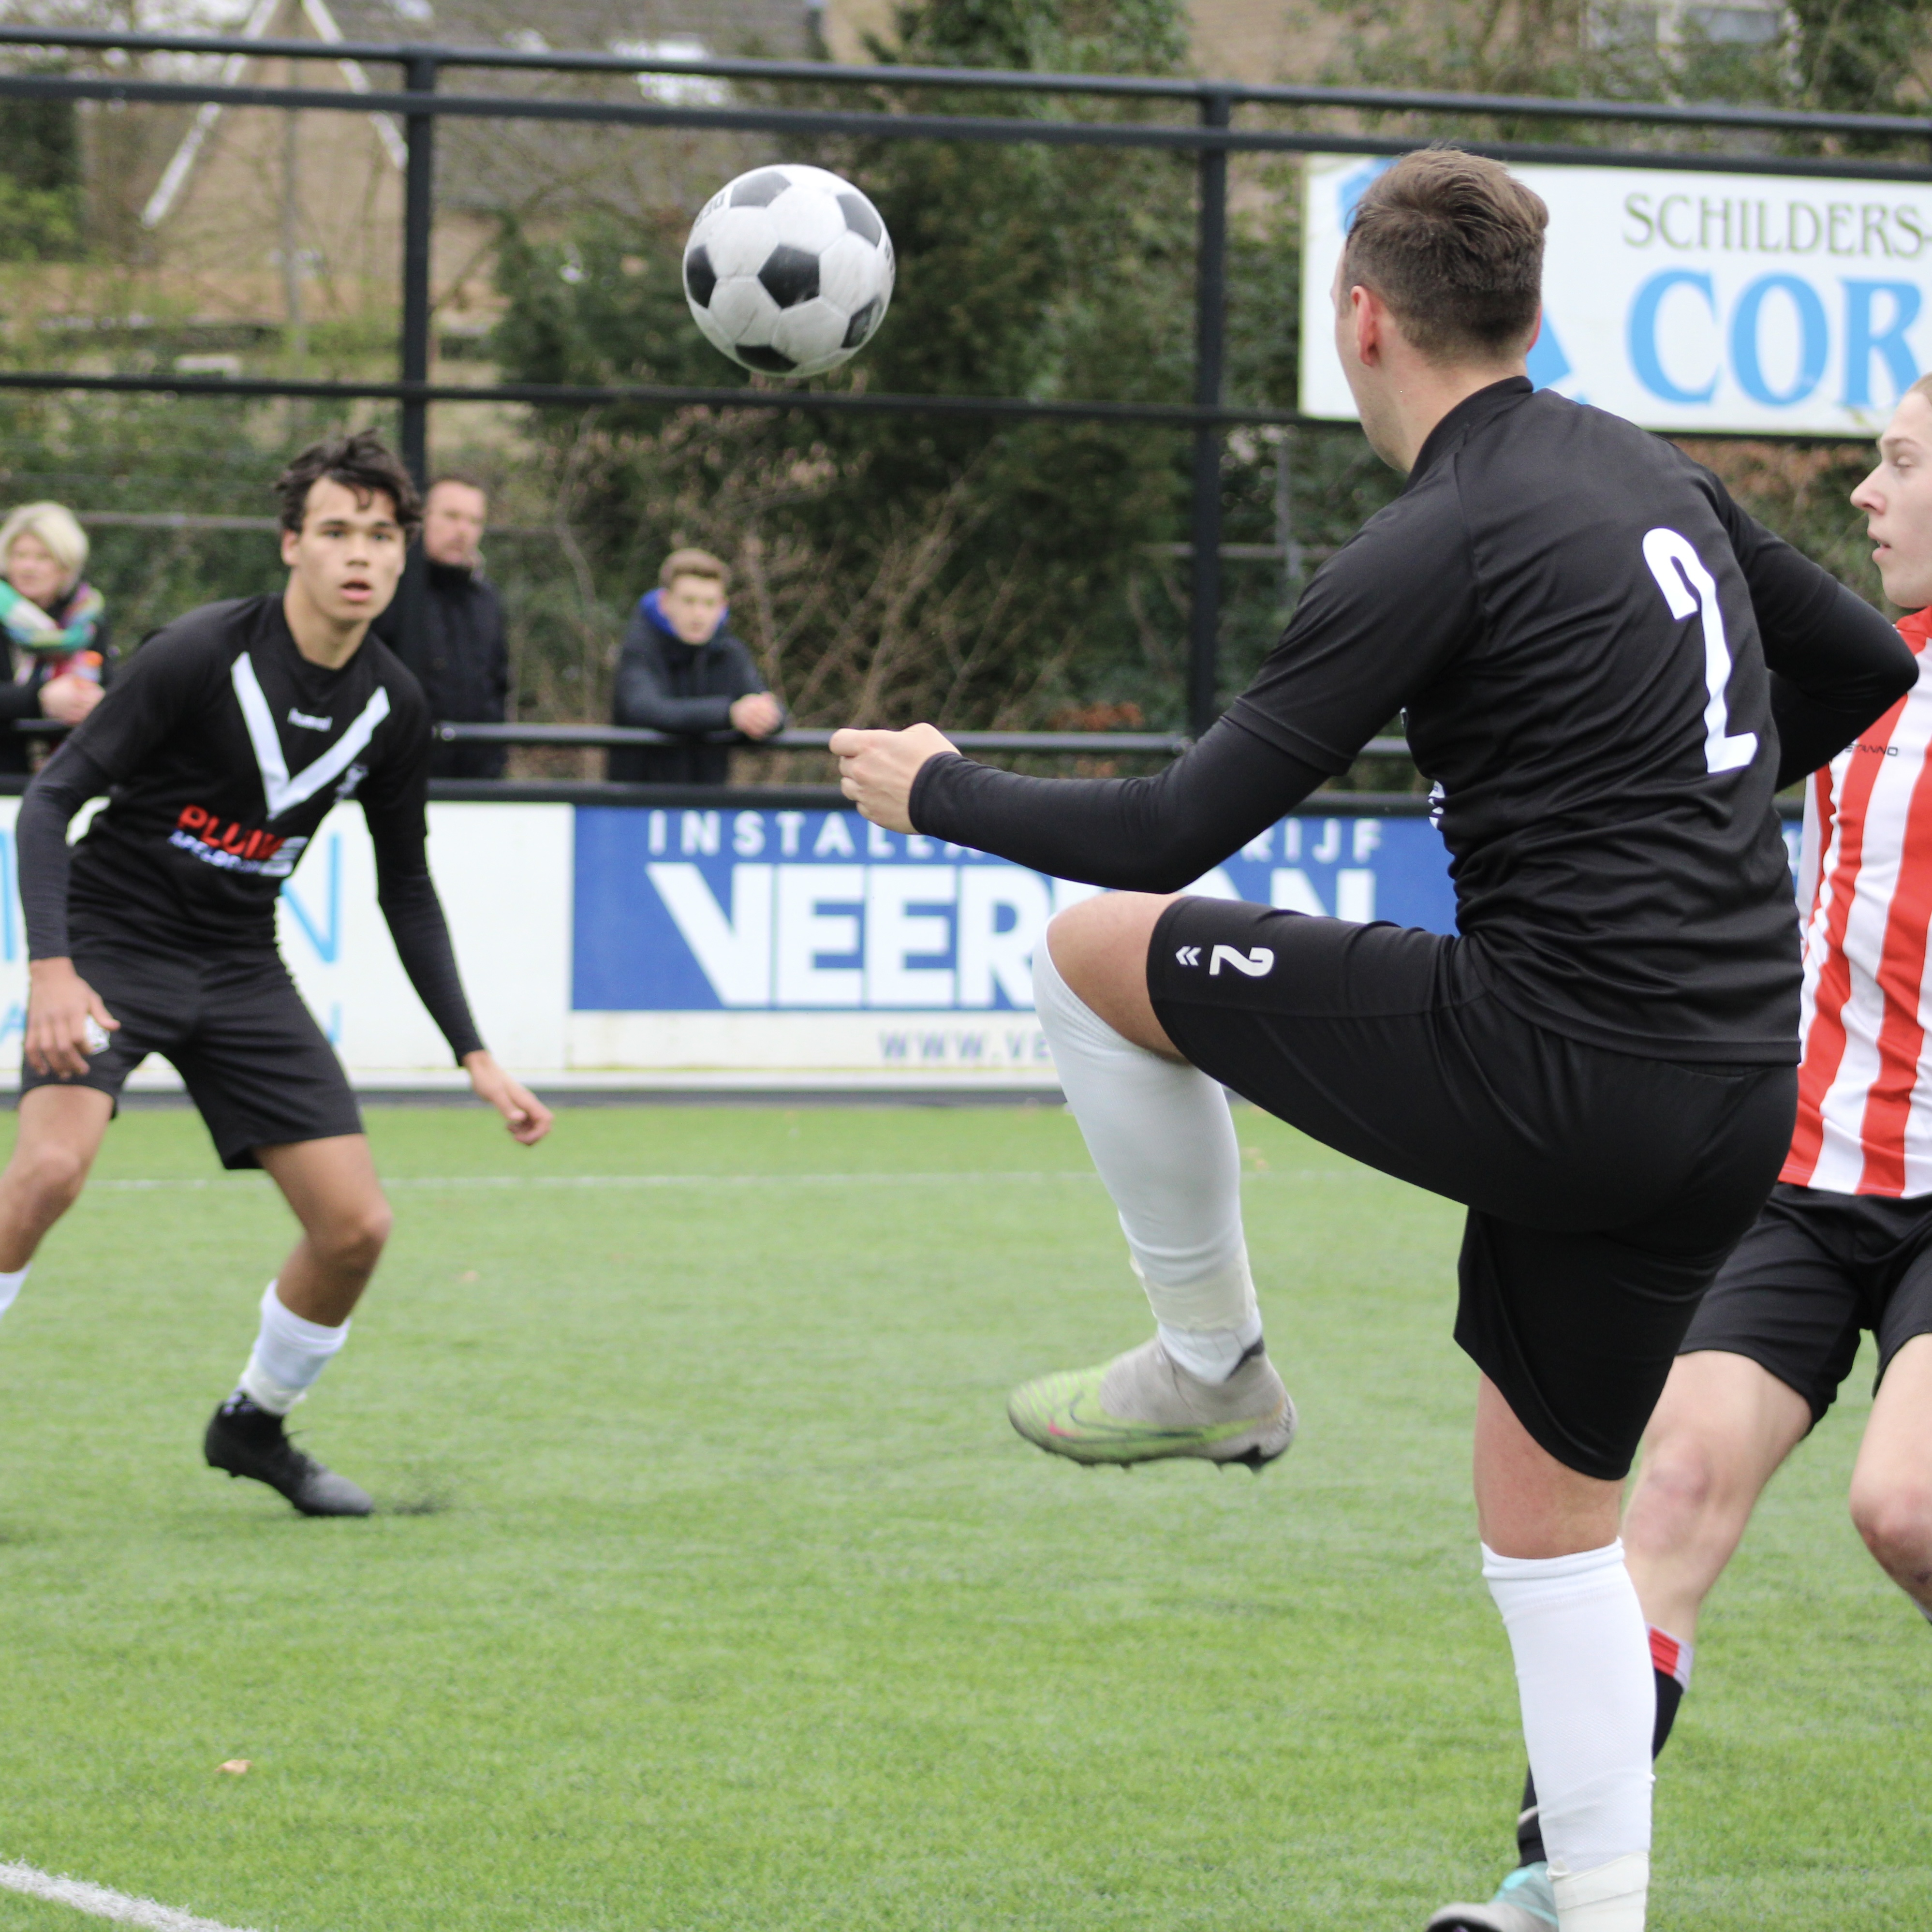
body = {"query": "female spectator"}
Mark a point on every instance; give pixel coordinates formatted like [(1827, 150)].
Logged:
[(56, 626)]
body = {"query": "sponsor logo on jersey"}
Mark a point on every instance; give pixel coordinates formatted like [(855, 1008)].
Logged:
[(234, 846), (309, 721)]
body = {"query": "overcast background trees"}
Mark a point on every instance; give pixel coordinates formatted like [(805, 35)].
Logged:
[(1002, 573)]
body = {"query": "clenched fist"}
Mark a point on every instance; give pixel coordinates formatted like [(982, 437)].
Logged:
[(876, 770)]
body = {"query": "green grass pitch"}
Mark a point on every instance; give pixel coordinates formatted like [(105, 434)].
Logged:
[(721, 1596)]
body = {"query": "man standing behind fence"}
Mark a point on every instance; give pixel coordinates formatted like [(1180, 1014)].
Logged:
[(682, 669), (447, 626)]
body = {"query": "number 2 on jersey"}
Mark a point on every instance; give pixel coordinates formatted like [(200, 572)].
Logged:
[(1694, 592)]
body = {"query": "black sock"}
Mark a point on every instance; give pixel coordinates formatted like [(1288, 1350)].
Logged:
[(1529, 1824)]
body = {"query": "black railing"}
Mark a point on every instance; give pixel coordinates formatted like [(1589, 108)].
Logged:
[(1211, 136), (1164, 744)]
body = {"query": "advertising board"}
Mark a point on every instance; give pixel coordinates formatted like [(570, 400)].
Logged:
[(738, 945), (1689, 301), (747, 939), (733, 946)]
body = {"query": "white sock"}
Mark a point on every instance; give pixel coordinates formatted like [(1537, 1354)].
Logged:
[(1163, 1140), (289, 1353), (11, 1284), (1589, 1700), (1606, 1898)]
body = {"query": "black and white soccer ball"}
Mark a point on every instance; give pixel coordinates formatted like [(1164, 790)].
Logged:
[(788, 270)]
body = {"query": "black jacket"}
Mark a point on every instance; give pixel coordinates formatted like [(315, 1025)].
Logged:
[(666, 685), (446, 624)]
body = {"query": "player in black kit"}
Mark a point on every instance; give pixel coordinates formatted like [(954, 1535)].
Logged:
[(221, 749), (1606, 669)]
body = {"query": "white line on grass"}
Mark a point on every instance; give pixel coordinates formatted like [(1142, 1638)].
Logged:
[(517, 1181), (618, 1180), (97, 1902)]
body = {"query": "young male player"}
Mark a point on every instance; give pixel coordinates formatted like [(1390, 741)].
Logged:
[(1845, 1243), (221, 749), (1599, 1065)]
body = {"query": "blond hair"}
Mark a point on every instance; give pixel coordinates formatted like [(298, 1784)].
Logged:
[(54, 525), (694, 563)]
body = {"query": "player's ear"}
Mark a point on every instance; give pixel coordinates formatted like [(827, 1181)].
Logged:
[(291, 541), (1371, 323)]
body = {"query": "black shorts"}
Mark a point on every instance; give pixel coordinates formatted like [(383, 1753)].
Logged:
[(249, 1051), (1604, 1189), (1815, 1271)]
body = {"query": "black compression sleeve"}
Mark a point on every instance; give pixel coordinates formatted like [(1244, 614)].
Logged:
[(1849, 667), (1150, 835), (406, 893), (68, 780)]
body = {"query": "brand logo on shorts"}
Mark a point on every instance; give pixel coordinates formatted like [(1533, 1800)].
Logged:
[(1189, 956), (1254, 963)]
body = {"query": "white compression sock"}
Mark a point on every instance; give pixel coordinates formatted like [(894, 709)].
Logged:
[(289, 1353), (1589, 1699), (11, 1284), (1161, 1135)]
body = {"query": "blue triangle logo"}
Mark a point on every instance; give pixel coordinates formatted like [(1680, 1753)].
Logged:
[(1350, 189), (1547, 362)]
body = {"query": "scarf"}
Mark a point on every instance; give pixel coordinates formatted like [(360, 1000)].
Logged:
[(45, 640)]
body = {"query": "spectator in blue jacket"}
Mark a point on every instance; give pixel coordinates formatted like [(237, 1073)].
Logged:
[(682, 669)]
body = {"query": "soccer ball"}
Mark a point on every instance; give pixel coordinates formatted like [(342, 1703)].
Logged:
[(788, 270)]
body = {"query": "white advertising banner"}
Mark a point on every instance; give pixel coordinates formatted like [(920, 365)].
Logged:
[(1685, 301)]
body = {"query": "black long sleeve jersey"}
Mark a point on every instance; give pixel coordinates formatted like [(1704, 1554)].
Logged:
[(1599, 657), (221, 749)]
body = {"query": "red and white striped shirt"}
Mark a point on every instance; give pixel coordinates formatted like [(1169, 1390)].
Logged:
[(1864, 1087)]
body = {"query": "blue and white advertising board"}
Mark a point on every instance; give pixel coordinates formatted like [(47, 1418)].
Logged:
[(626, 947), (811, 941), (1686, 301)]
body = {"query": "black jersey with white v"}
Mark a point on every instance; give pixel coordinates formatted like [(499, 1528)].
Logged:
[(221, 749), (225, 748)]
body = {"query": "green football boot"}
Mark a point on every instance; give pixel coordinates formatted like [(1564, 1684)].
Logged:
[(1144, 1406), (1525, 1902)]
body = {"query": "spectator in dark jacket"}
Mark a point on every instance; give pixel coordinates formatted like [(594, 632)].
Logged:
[(682, 669), (53, 626), (446, 624)]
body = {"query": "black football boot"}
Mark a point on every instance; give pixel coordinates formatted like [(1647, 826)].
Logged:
[(248, 1441)]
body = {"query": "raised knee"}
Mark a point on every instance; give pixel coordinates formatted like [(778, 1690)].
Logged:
[(1683, 1477), (1896, 1523), (1679, 1500), (356, 1239), (51, 1175)]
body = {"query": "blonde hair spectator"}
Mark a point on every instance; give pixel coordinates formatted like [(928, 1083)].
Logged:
[(52, 625), (55, 525)]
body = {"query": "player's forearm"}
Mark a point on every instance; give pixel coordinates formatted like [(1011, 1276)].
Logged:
[(67, 782), (421, 933), (1849, 668), (1153, 834)]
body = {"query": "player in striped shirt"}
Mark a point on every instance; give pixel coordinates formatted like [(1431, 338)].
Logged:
[(1844, 1244)]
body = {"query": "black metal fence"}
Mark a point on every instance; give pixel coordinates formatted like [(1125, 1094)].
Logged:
[(1211, 135)]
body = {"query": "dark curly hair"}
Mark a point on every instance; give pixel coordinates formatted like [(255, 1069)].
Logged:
[(362, 463)]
